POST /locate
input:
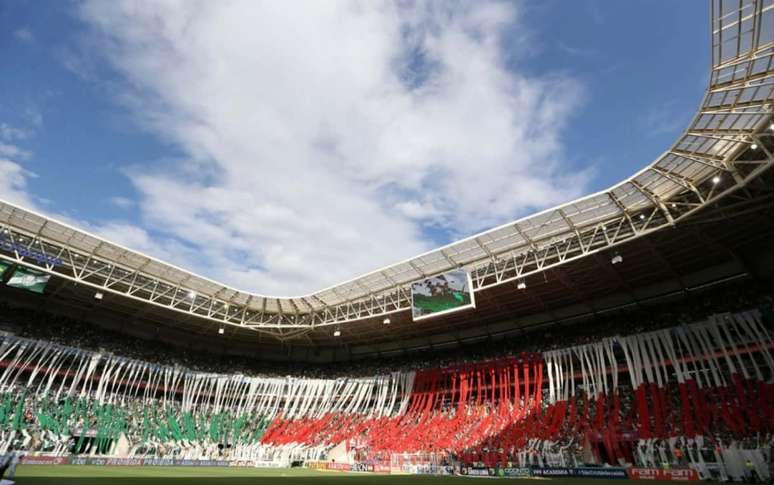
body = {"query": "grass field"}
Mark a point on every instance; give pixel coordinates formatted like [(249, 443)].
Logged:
[(126, 475)]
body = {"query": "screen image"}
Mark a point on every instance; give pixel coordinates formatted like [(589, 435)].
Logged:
[(29, 279), (3, 266), (442, 294)]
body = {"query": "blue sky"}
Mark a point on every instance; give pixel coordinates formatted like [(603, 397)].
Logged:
[(285, 151)]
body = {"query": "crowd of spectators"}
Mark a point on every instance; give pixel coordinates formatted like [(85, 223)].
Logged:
[(29, 421), (86, 425), (692, 307)]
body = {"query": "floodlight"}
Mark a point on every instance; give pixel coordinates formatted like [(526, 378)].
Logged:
[(521, 285), (98, 295), (617, 259), (716, 179), (337, 333), (386, 321), (221, 331)]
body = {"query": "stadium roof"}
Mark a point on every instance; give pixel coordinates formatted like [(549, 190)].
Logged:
[(726, 146)]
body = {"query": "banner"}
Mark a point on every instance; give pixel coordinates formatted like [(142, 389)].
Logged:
[(25, 252), (95, 461), (673, 474), (476, 472), (592, 472), (381, 468), (44, 460), (433, 470), (602, 472), (551, 472), (516, 472), (29, 279)]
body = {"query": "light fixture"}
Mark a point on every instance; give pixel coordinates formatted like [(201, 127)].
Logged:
[(617, 259), (521, 285), (642, 217), (716, 179), (674, 206), (754, 146), (337, 333), (221, 331), (98, 295), (771, 127), (192, 294), (386, 321)]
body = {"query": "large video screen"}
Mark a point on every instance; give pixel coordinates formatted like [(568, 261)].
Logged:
[(29, 279), (441, 294)]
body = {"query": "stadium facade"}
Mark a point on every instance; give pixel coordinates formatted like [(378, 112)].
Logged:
[(663, 383)]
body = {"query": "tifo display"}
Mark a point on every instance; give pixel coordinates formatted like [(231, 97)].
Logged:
[(691, 397)]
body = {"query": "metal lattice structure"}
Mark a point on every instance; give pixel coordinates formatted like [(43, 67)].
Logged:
[(729, 143)]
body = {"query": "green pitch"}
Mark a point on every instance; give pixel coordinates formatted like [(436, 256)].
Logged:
[(157, 475), (153, 475), (439, 303)]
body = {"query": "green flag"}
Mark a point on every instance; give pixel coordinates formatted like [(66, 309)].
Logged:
[(3, 266), (29, 279)]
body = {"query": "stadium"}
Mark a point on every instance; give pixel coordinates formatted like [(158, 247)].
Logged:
[(626, 334)]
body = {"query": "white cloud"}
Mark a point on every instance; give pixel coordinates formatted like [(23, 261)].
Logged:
[(24, 35), (122, 202), (33, 115), (12, 151), (664, 119), (13, 183), (14, 177), (414, 209), (11, 133), (321, 137), (14, 188), (138, 239)]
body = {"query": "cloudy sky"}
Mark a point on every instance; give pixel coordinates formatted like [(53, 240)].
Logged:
[(282, 147)]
